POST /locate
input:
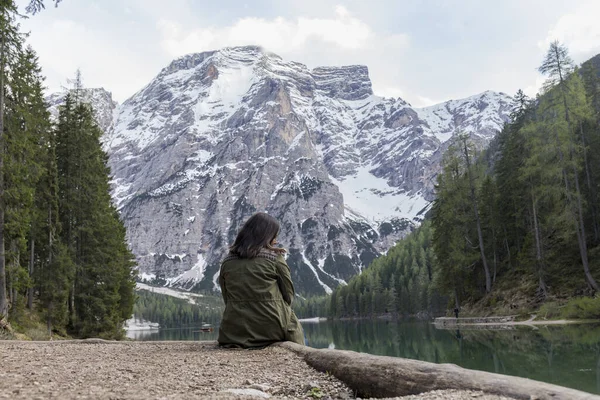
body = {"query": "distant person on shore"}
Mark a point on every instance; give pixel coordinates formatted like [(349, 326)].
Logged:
[(456, 311), (257, 289)]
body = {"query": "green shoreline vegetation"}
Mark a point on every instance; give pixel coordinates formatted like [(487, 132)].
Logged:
[(171, 312)]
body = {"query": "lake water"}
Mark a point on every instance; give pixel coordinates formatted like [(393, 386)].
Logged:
[(563, 355)]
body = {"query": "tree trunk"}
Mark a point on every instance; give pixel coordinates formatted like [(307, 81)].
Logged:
[(429, 274), (49, 319), (14, 275), (542, 288), (507, 248), (588, 176), (456, 302), (495, 255), (3, 294), (579, 224), (488, 279), (517, 237), (579, 227), (581, 238), (50, 258), (30, 290), (383, 377), (72, 305)]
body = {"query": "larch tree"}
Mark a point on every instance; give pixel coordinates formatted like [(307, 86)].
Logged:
[(591, 141), (558, 66)]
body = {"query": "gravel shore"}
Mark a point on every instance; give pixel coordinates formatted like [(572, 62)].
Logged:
[(167, 370)]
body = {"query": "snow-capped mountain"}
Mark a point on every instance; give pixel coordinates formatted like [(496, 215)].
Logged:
[(101, 100), (219, 135)]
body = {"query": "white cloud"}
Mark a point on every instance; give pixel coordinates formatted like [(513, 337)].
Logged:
[(423, 101), (64, 46), (579, 30), (280, 35), (123, 44), (341, 39), (534, 89)]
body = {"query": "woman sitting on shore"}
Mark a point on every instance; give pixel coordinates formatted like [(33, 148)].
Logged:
[(257, 289)]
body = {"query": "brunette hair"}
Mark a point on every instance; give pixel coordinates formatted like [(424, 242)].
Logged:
[(257, 234)]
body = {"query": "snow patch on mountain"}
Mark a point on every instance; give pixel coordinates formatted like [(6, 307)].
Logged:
[(227, 90), (190, 297), (219, 135), (372, 198), (195, 274), (314, 271)]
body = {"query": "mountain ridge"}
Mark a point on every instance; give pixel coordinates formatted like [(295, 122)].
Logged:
[(218, 135)]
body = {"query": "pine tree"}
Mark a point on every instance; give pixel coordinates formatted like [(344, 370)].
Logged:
[(10, 45), (102, 296), (54, 272), (540, 174), (27, 122), (559, 67), (452, 227)]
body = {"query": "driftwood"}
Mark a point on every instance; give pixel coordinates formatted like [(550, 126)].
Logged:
[(379, 376)]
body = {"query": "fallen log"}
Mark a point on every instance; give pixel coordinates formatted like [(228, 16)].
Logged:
[(380, 376)]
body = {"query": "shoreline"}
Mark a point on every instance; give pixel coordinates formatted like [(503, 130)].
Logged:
[(505, 321), (175, 370), (170, 370)]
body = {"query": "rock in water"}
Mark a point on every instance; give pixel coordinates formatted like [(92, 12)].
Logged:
[(219, 135)]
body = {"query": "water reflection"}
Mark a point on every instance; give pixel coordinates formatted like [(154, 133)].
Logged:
[(567, 356), (173, 334)]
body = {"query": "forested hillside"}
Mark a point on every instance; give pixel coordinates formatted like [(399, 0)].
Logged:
[(399, 283), (171, 312), (521, 222), (62, 246), (512, 228)]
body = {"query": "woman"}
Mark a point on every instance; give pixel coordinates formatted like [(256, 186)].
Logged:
[(257, 289)]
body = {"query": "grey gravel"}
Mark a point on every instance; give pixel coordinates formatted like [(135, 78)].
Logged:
[(453, 395), (166, 370), (153, 370)]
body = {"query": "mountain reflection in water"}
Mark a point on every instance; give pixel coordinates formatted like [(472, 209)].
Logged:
[(563, 355)]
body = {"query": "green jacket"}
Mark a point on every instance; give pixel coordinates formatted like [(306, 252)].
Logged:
[(258, 295)]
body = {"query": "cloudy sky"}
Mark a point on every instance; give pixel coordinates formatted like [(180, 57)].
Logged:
[(425, 51)]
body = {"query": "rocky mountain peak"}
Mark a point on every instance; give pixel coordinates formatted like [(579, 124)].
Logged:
[(219, 135), (99, 98), (346, 83)]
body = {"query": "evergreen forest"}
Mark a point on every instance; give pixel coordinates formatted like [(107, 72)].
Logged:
[(63, 255), (172, 312)]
